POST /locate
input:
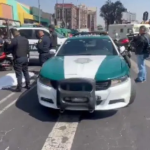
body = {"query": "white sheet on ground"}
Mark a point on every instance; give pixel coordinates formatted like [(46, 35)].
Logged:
[(10, 80)]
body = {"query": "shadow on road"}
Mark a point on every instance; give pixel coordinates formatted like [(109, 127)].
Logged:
[(98, 115), (28, 102)]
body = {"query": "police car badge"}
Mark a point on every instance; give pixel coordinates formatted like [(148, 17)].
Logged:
[(83, 60)]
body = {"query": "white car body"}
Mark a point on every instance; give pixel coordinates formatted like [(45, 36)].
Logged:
[(115, 96), (33, 52)]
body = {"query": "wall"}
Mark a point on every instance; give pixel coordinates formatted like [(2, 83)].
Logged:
[(23, 12), (6, 11), (19, 11), (13, 3)]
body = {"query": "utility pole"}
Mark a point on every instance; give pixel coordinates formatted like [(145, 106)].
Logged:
[(39, 11), (63, 18), (55, 18)]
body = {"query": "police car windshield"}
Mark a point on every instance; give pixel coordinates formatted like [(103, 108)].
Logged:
[(87, 46)]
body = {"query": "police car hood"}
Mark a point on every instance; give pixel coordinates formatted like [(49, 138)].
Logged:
[(95, 67)]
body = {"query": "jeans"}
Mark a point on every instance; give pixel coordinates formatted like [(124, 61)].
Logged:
[(141, 67)]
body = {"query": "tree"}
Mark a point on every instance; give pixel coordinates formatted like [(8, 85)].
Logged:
[(112, 12)]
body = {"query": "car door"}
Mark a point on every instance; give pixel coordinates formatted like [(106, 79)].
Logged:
[(34, 51), (28, 33)]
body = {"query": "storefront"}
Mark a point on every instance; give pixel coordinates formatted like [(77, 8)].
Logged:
[(11, 9), (24, 13)]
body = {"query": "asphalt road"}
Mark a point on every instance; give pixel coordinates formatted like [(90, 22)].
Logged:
[(25, 125)]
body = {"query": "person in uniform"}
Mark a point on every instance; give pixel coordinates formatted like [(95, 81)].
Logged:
[(43, 47), (19, 47), (53, 37)]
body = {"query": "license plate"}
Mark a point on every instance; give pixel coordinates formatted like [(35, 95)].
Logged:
[(78, 100)]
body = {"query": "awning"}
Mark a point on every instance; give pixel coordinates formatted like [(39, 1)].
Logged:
[(28, 16), (42, 19)]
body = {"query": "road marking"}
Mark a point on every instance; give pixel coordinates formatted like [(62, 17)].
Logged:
[(14, 101), (62, 135), (9, 105), (6, 98)]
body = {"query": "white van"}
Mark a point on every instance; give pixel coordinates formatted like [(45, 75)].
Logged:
[(31, 34), (124, 29)]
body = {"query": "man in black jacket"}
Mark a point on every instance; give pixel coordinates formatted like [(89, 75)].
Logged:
[(53, 37), (43, 47), (141, 46), (19, 47)]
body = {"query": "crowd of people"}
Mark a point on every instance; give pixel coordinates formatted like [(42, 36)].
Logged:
[(19, 48)]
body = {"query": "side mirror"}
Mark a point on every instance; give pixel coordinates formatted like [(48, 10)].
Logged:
[(122, 49), (52, 51)]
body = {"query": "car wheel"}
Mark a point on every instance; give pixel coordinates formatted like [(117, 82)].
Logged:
[(133, 92)]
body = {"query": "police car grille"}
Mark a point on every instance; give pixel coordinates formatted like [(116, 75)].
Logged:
[(82, 86), (102, 85)]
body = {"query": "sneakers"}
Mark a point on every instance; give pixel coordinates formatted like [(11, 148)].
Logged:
[(137, 80), (27, 87)]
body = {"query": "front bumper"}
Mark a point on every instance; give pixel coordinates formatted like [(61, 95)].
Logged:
[(109, 99)]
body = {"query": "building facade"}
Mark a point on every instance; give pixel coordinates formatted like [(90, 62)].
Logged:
[(66, 13), (82, 16), (128, 17), (92, 18), (11, 9), (76, 17)]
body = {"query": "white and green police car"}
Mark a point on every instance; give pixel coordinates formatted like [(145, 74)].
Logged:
[(31, 33), (86, 73)]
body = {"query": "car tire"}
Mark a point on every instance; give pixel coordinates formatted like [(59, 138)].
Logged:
[(133, 92)]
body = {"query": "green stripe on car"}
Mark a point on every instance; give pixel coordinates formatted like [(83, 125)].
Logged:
[(112, 67), (53, 69)]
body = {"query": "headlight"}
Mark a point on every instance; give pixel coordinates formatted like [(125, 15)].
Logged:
[(44, 81), (119, 80)]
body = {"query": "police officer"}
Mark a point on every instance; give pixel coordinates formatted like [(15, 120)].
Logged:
[(53, 37), (19, 47), (43, 47), (141, 51)]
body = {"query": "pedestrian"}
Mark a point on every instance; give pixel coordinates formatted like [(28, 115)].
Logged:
[(43, 47), (53, 37), (141, 51), (19, 47)]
